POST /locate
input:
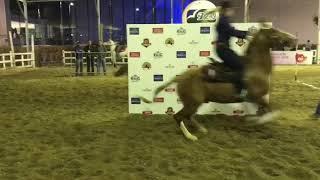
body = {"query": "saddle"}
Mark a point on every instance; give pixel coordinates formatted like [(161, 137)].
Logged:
[(223, 74)]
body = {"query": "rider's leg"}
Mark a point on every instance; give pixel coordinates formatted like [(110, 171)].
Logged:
[(233, 61)]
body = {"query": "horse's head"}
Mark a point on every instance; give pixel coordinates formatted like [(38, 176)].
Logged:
[(272, 38)]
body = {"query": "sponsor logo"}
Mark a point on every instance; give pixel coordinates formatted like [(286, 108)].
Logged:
[(197, 16), (146, 66), (146, 43), (170, 111), (181, 54), (193, 42), (158, 100), (204, 53), (135, 54), (134, 31), (158, 54), (157, 30), (300, 58), (135, 78), (181, 31), (238, 112), (240, 42), (169, 42), (135, 100), (158, 77), (204, 30), (146, 90), (169, 90), (253, 30), (193, 66), (147, 113), (170, 66)]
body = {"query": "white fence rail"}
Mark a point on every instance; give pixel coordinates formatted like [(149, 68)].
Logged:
[(69, 58), (17, 60)]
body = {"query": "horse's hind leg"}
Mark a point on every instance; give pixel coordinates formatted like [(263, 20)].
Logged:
[(183, 118)]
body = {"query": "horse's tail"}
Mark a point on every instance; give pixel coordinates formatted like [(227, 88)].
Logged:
[(159, 89)]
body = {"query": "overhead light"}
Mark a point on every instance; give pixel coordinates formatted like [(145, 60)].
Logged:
[(137, 9), (71, 4)]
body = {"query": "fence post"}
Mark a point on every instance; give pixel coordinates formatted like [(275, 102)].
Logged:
[(63, 58), (33, 57), (12, 57), (3, 60)]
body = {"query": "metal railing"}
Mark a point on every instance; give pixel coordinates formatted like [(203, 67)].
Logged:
[(69, 58)]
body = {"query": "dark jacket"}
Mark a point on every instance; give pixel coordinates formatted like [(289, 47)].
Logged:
[(79, 52), (91, 49), (226, 31), (101, 51)]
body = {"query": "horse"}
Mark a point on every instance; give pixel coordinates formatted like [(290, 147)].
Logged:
[(121, 52), (194, 88)]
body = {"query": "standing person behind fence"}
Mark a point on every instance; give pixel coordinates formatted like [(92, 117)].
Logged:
[(308, 46), (102, 50), (89, 49), (79, 59)]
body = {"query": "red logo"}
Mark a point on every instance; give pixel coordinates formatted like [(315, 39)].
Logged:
[(135, 54), (157, 30), (300, 58), (158, 100), (238, 112), (193, 66), (170, 90), (147, 113), (204, 53)]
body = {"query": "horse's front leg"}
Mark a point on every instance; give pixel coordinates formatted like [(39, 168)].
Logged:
[(198, 125), (265, 113)]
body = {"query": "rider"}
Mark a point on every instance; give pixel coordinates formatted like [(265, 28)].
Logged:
[(225, 32)]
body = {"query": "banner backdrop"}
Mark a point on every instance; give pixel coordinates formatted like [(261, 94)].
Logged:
[(292, 57), (160, 52)]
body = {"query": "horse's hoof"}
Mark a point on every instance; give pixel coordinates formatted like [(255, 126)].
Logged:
[(268, 117), (252, 118), (192, 138)]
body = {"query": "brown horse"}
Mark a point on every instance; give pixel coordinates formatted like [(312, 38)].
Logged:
[(194, 90)]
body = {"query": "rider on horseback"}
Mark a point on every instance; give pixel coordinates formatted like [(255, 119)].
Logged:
[(230, 58)]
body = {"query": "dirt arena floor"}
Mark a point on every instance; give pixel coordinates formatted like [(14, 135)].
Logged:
[(57, 127)]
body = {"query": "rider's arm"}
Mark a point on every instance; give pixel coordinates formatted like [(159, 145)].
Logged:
[(232, 31)]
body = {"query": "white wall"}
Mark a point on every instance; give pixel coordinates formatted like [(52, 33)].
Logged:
[(294, 16)]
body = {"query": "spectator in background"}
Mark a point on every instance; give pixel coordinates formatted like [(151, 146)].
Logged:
[(79, 59), (89, 49), (308, 46), (102, 50)]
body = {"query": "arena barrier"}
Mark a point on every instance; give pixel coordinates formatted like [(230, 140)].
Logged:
[(298, 57), (69, 58), (160, 52), (18, 59)]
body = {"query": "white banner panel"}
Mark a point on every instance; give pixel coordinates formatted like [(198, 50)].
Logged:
[(159, 52), (292, 57)]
